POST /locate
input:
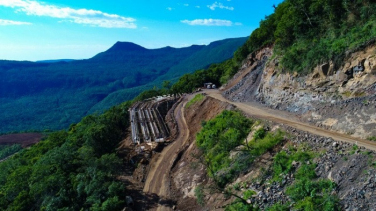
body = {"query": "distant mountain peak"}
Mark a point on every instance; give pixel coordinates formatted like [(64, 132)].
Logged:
[(126, 46)]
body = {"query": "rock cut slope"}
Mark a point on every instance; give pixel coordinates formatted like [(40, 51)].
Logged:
[(341, 99)]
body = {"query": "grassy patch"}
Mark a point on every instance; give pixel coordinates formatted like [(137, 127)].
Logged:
[(354, 149), (372, 138), (278, 207), (197, 98), (240, 206)]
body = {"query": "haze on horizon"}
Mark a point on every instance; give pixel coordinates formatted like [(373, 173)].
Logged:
[(55, 29)]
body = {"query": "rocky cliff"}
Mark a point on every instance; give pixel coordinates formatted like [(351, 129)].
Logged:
[(339, 96)]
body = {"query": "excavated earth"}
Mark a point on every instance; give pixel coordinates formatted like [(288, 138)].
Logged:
[(189, 172), (352, 169)]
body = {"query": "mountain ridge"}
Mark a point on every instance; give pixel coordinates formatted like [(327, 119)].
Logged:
[(52, 95)]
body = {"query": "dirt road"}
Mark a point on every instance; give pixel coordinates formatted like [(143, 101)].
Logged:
[(288, 119), (158, 179)]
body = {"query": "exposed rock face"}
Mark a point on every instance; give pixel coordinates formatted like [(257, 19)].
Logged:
[(341, 99)]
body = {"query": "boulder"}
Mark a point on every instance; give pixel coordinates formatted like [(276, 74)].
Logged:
[(370, 65), (341, 77)]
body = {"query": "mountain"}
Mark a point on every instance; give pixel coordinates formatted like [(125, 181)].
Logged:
[(53, 94)]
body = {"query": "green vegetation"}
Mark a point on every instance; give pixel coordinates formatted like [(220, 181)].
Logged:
[(197, 98), (8, 150), (306, 192), (354, 149), (39, 96), (226, 152), (313, 195), (240, 206), (283, 163), (372, 138), (199, 193), (216, 73), (279, 207), (77, 169), (70, 170), (217, 138), (307, 33)]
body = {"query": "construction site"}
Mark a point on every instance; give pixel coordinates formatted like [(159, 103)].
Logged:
[(148, 119)]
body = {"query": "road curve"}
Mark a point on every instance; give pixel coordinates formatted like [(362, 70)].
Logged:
[(287, 119), (158, 180)]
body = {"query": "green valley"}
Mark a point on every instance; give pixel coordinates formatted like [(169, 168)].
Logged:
[(36, 96)]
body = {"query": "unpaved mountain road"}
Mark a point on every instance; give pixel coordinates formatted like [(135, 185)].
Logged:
[(290, 120), (158, 179)]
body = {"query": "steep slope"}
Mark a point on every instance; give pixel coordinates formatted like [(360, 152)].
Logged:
[(52, 95), (340, 99)]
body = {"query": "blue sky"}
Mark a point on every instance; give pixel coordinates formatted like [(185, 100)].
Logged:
[(78, 29)]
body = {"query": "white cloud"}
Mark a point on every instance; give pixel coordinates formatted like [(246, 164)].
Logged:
[(79, 16), (198, 7), (186, 5), (208, 22), (220, 6), (10, 22), (169, 8), (238, 24)]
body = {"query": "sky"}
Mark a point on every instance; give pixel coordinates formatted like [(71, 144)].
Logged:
[(79, 29)]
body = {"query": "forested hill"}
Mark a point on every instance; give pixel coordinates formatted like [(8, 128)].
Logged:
[(52, 95)]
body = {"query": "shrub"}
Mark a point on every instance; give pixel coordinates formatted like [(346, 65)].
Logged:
[(278, 207), (197, 98), (199, 193), (240, 206)]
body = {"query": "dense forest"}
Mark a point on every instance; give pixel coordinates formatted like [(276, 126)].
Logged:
[(52, 95), (70, 170)]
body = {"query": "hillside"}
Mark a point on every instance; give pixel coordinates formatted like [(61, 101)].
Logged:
[(292, 127), (53, 95)]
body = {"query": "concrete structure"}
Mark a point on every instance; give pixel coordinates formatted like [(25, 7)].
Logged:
[(147, 123)]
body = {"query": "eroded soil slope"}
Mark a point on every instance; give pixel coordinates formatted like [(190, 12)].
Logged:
[(189, 171)]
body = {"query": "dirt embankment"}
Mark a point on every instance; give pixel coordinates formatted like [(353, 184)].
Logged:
[(189, 172)]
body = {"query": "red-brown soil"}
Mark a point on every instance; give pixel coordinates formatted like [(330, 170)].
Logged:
[(25, 139)]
